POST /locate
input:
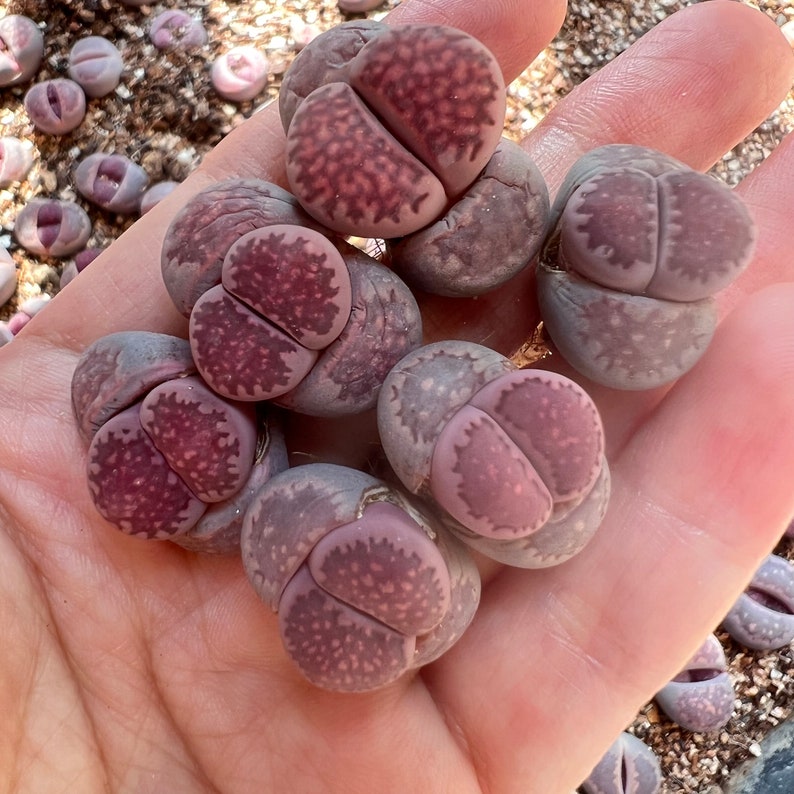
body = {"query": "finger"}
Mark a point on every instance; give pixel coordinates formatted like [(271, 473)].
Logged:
[(123, 288), (700, 496)]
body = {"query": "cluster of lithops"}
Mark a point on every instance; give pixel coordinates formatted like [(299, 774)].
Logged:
[(628, 767), (763, 616), (701, 697), (639, 245)]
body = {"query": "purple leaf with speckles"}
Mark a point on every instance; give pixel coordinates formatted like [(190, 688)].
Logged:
[(763, 616), (700, 698), (51, 227), (55, 106), (132, 485), (360, 581), (111, 181), (119, 369), (628, 767)]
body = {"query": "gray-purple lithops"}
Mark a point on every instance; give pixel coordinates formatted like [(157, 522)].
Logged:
[(21, 49), (16, 159), (204, 230), (628, 767), (8, 276), (763, 616), (155, 194), (491, 233), (700, 698), (51, 227), (55, 106), (175, 28), (240, 74), (111, 181), (358, 6), (327, 548), (514, 458), (383, 153), (95, 63), (639, 244)]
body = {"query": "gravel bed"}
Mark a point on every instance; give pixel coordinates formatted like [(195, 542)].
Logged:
[(166, 116)]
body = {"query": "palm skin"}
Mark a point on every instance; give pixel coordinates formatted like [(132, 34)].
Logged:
[(135, 667)]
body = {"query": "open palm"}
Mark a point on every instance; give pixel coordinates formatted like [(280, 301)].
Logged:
[(129, 666)]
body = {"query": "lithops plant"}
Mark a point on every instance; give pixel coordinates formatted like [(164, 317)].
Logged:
[(21, 49), (25, 312), (51, 227), (55, 106), (111, 181), (639, 245), (628, 767), (163, 446), (763, 616), (297, 322), (16, 159), (153, 195), (175, 28), (95, 63), (700, 698), (513, 460), (240, 74), (377, 147), (8, 276), (327, 548)]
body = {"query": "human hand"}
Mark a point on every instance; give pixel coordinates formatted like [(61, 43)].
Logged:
[(132, 666)]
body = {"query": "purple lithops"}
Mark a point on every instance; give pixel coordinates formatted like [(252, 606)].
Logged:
[(177, 29), (16, 159), (700, 698), (327, 547), (51, 227), (628, 767), (514, 457), (111, 181), (55, 106), (640, 244), (8, 276), (763, 616), (358, 6), (155, 194), (96, 65), (21, 49), (345, 160), (240, 74)]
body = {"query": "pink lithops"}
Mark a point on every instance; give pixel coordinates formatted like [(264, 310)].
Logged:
[(359, 6), (96, 64), (514, 457), (700, 698), (628, 767), (51, 227), (331, 576), (21, 49), (763, 616), (16, 159), (81, 261), (55, 106), (347, 158), (26, 311), (640, 243), (155, 194), (177, 29), (8, 276), (111, 181), (240, 74)]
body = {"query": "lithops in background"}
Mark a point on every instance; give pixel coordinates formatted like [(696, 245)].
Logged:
[(55, 106), (153, 195), (51, 227), (379, 147), (16, 159), (111, 181), (21, 49), (491, 233), (8, 276), (327, 548), (639, 245), (628, 767), (514, 459), (175, 28), (240, 74), (163, 446), (294, 321), (96, 65), (700, 698), (763, 616)]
